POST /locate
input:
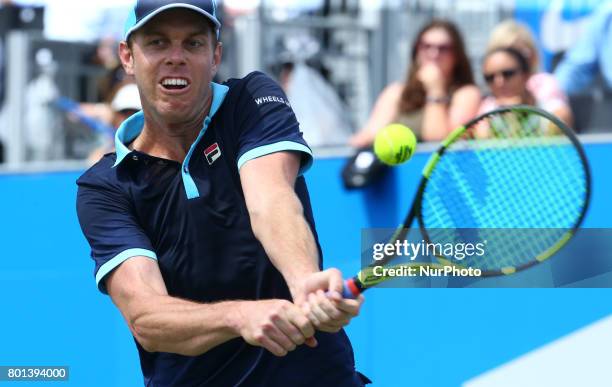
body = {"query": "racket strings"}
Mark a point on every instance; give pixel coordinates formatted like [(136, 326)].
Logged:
[(507, 171)]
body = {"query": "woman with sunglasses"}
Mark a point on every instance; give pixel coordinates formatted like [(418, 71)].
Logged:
[(438, 94), (506, 71), (544, 86)]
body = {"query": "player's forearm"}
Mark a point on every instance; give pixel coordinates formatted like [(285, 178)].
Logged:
[(168, 324), (280, 226)]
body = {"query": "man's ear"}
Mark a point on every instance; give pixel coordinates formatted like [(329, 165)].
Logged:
[(126, 57), (217, 58)]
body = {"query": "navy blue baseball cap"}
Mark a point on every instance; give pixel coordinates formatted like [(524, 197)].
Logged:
[(145, 10)]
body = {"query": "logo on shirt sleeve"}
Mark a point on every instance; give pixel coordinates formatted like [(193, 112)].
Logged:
[(212, 153), (271, 98)]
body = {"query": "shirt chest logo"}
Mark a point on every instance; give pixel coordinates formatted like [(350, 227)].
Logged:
[(212, 153)]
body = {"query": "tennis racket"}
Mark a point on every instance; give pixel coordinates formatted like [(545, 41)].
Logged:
[(516, 167)]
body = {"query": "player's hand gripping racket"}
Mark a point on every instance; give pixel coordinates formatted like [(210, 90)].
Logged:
[(515, 167)]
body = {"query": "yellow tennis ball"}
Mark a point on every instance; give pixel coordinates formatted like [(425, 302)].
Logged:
[(394, 144)]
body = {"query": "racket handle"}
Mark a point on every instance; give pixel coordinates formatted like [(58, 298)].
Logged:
[(349, 289)]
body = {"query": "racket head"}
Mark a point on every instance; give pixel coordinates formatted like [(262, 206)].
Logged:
[(514, 168)]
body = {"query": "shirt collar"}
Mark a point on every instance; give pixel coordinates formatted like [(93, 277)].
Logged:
[(131, 128)]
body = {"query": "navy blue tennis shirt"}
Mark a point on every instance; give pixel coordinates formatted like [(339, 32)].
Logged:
[(192, 218)]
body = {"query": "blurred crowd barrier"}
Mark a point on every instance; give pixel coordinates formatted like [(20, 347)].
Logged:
[(332, 57)]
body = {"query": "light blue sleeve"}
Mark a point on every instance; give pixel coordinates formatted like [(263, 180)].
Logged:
[(582, 63)]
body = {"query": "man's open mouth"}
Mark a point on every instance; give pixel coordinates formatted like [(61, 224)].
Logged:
[(174, 83)]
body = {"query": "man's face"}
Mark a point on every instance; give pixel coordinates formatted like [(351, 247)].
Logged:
[(173, 59)]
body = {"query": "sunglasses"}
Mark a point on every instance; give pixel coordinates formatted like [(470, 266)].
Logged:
[(441, 48), (505, 74)]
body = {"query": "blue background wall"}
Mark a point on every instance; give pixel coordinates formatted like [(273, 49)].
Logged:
[(52, 314)]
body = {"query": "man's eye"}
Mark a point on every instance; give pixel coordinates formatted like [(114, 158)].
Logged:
[(156, 42), (195, 43)]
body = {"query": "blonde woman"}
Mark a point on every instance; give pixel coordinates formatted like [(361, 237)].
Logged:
[(543, 86), (506, 71)]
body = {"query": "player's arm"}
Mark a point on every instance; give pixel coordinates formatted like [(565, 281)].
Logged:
[(277, 219), (162, 323), (277, 216), (159, 321)]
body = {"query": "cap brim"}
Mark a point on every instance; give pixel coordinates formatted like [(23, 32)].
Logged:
[(159, 10)]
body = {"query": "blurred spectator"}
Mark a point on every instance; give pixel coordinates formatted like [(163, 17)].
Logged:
[(320, 112), (42, 126), (506, 71), (3, 3), (316, 104), (107, 57), (125, 103), (439, 92), (543, 86), (591, 57)]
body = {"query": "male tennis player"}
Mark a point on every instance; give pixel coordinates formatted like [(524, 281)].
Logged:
[(200, 224)]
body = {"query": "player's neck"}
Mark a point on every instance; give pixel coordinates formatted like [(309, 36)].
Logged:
[(169, 140)]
